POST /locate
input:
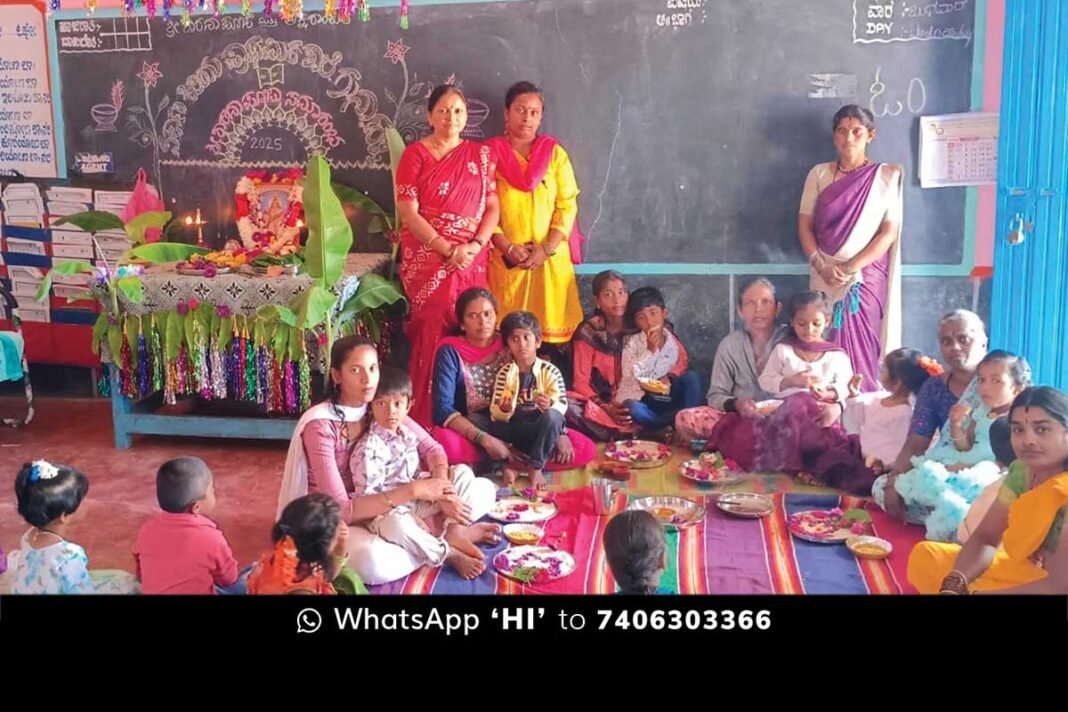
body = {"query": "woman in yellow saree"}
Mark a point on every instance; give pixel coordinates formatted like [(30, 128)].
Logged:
[(537, 241), (1020, 546)]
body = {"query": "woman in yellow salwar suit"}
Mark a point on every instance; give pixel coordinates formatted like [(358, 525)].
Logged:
[(1021, 545), (531, 267)]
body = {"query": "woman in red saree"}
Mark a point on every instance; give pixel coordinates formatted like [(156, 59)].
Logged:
[(447, 201)]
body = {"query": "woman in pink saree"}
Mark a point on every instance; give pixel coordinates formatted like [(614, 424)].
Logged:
[(447, 200), (849, 223)]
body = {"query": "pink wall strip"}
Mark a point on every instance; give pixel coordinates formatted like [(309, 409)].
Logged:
[(987, 203)]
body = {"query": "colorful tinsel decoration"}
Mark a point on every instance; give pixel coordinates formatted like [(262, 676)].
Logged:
[(363, 12), (289, 387), (151, 5), (330, 9), (305, 384), (404, 15), (250, 370), (144, 372), (218, 370), (166, 10), (53, 5), (90, 6), (268, 8), (128, 7), (158, 360)]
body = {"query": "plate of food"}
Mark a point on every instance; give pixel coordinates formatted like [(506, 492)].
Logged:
[(748, 505), (711, 468), (672, 512), (824, 526), (534, 564), (869, 547), (655, 386), (767, 407), (523, 510), (642, 454), (523, 534)]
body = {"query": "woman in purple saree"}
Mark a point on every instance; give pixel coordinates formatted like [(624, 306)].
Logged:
[(849, 223)]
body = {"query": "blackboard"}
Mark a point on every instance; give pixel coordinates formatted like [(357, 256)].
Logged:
[(691, 123)]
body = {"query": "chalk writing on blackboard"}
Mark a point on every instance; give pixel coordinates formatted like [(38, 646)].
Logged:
[(900, 21), (298, 113), (686, 13), (832, 86), (915, 97), (106, 34), (231, 23)]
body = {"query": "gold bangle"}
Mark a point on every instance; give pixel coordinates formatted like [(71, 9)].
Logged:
[(432, 240)]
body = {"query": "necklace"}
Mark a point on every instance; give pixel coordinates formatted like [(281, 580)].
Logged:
[(838, 167), (37, 531)]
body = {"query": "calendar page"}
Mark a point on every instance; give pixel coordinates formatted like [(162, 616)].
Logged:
[(958, 149)]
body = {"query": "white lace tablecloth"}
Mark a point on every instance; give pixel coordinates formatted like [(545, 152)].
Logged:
[(243, 293)]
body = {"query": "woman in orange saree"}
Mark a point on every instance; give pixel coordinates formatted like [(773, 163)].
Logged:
[(1021, 545), (447, 200)]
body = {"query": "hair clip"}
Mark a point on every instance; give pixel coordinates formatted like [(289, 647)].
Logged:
[(43, 470), (932, 367)]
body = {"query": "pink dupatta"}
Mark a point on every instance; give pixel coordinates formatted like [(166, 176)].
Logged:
[(526, 180)]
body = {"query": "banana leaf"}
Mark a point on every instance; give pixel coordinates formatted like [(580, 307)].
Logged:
[(62, 268), (93, 221), (164, 252), (329, 231), (135, 229)]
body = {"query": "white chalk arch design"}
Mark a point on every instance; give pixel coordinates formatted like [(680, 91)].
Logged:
[(256, 110), (245, 57)]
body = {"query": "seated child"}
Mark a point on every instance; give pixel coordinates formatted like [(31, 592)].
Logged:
[(1001, 443), (386, 462), (48, 497), (882, 418), (636, 550), (181, 550), (309, 554), (529, 400), (654, 381), (945, 481)]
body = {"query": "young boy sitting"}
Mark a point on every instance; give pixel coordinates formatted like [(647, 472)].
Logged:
[(181, 550), (388, 461), (529, 399)]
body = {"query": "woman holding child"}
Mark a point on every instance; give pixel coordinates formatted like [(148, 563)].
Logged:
[(394, 491), (447, 201), (848, 224), (740, 358), (466, 368)]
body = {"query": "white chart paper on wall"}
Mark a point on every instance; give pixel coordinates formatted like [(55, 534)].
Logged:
[(958, 149), (27, 136)]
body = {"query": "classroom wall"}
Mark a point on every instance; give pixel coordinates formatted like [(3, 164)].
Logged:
[(703, 324)]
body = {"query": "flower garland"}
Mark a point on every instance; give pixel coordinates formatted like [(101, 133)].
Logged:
[(252, 223)]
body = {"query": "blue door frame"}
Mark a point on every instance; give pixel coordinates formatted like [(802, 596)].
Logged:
[(1029, 314)]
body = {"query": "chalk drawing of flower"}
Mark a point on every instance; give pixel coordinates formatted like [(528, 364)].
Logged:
[(144, 122), (150, 74), (396, 50), (410, 115)]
